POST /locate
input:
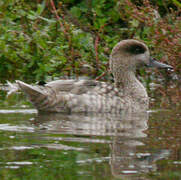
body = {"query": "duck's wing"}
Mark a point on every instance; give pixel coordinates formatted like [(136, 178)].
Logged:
[(73, 86), (56, 92), (76, 87), (58, 87), (79, 87)]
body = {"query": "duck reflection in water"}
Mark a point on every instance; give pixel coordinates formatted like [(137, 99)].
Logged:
[(127, 134)]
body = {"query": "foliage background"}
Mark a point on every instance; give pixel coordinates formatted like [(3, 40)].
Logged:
[(43, 40)]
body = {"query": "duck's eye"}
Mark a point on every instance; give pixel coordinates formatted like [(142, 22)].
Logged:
[(136, 49)]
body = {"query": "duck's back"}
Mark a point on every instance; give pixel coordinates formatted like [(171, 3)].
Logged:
[(75, 96), (72, 86)]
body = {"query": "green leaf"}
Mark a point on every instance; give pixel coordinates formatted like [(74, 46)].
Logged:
[(75, 11), (40, 8), (177, 3)]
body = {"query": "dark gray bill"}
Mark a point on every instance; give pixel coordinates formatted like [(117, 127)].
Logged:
[(154, 63)]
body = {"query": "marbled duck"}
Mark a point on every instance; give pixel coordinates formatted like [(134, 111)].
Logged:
[(127, 92)]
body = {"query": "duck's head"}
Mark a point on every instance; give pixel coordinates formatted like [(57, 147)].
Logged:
[(129, 54)]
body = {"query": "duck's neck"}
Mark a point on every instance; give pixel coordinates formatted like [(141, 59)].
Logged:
[(128, 83)]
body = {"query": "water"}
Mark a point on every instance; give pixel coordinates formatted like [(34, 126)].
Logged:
[(93, 146)]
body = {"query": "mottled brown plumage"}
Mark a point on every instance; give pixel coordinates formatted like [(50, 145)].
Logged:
[(127, 93)]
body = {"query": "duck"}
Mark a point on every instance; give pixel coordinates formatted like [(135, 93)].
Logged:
[(126, 93)]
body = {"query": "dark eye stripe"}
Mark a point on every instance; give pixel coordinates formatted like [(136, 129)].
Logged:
[(136, 49)]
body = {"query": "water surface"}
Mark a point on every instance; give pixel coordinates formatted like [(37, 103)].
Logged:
[(89, 146)]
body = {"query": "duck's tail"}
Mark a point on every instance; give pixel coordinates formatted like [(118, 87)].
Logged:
[(43, 97), (26, 88), (36, 95), (29, 89)]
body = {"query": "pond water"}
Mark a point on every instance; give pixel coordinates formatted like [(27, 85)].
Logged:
[(93, 146)]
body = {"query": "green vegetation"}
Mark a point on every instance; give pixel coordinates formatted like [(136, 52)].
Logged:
[(44, 39)]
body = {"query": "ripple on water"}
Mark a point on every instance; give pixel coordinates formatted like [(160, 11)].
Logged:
[(19, 163), (8, 127), (16, 165), (24, 111)]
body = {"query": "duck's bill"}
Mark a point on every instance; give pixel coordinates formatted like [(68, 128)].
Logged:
[(154, 63)]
